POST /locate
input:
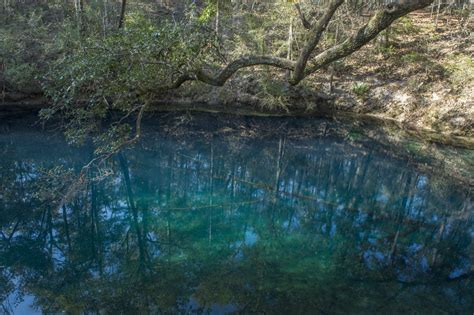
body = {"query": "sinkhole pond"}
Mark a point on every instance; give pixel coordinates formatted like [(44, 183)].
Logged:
[(215, 214)]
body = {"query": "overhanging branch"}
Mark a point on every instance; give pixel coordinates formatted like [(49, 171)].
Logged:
[(220, 77)]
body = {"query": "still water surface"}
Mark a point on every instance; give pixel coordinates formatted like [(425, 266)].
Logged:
[(254, 216)]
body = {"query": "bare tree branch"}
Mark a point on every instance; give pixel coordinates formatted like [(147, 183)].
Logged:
[(306, 23)]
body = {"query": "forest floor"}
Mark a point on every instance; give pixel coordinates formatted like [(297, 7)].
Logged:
[(425, 78)]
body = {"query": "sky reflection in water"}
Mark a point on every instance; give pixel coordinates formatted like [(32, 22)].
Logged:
[(253, 217)]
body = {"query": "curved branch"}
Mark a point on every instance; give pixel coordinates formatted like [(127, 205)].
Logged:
[(220, 77), (243, 62), (304, 21), (379, 22)]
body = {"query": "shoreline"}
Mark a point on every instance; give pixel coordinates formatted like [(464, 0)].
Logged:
[(323, 110)]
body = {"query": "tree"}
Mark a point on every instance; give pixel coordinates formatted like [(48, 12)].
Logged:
[(122, 14), (306, 64)]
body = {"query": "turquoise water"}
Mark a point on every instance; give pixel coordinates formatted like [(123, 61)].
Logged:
[(211, 215)]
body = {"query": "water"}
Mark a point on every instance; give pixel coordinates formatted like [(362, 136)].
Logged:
[(211, 215)]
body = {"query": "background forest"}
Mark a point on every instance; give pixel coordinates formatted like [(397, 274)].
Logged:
[(115, 55)]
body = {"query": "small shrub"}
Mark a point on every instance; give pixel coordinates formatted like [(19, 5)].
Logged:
[(413, 57), (460, 68), (360, 89), (273, 93), (405, 26), (386, 50)]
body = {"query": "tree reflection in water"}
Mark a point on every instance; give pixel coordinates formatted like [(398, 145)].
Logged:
[(199, 218)]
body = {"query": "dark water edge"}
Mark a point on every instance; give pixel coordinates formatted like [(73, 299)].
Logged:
[(212, 214), (28, 107)]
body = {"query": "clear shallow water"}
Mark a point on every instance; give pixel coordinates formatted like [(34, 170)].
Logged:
[(252, 216)]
